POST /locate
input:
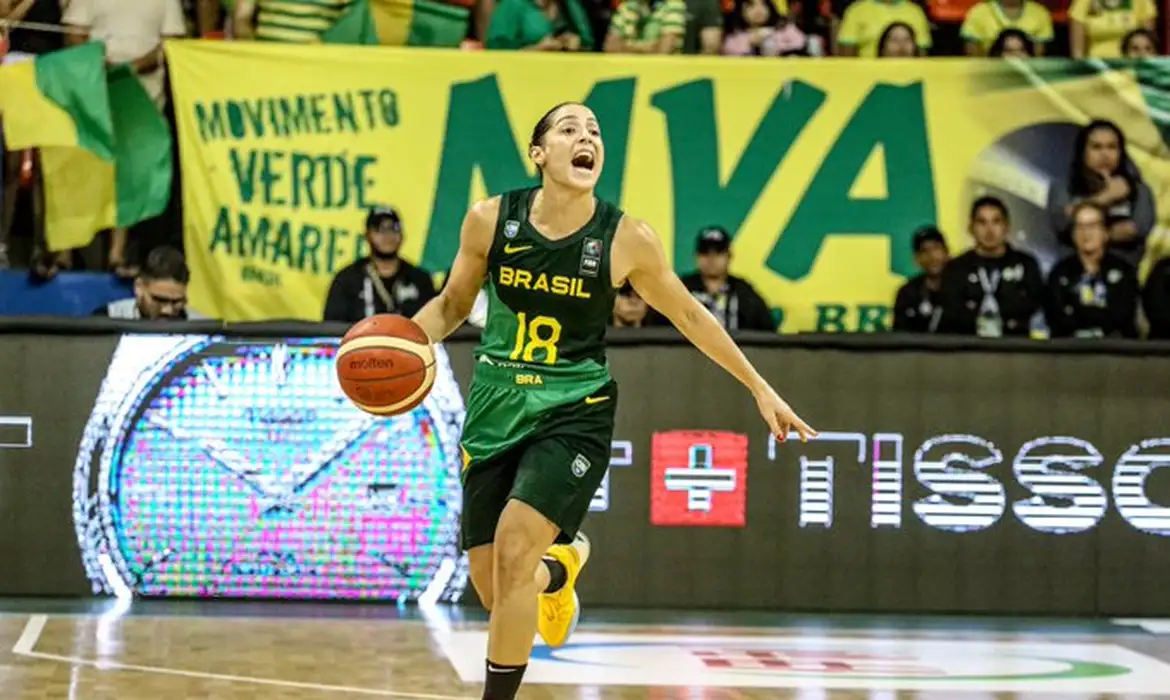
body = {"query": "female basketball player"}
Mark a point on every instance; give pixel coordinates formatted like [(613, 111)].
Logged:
[(540, 414)]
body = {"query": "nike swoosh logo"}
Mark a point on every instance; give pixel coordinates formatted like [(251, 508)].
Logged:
[(590, 400), (509, 249)]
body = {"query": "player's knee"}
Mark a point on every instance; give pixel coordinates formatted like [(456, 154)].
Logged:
[(517, 554)]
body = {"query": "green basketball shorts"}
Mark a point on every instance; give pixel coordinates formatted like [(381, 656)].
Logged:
[(547, 446)]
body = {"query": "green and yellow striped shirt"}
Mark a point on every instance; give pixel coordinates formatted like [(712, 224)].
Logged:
[(637, 20), (297, 21)]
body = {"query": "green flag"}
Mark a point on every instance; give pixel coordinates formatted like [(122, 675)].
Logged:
[(356, 26), (105, 147)]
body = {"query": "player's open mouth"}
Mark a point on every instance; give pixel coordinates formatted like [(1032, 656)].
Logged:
[(583, 161)]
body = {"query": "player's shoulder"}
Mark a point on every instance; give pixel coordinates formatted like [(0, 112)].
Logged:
[(635, 229), (486, 211)]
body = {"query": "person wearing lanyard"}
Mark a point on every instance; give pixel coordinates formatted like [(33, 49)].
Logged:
[(992, 290), (733, 300), (382, 283)]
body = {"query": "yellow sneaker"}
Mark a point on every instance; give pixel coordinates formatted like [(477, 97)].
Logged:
[(560, 611)]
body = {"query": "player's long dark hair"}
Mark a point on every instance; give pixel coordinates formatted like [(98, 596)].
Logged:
[(543, 126)]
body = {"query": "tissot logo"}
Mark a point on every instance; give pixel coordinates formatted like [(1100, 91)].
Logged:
[(16, 432), (1068, 481)]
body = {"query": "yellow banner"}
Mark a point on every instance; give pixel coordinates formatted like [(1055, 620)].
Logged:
[(822, 170)]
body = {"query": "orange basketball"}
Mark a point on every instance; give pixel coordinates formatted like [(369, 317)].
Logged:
[(386, 364)]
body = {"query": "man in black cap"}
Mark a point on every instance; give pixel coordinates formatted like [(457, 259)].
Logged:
[(732, 299), (917, 306), (383, 282)]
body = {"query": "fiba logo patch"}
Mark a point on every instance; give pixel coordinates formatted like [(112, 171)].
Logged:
[(511, 228), (580, 466)]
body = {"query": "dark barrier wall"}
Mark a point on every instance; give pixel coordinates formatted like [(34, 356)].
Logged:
[(952, 475)]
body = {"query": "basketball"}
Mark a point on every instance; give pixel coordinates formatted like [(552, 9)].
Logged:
[(386, 364)]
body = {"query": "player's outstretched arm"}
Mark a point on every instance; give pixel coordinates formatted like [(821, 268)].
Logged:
[(440, 316), (638, 256)]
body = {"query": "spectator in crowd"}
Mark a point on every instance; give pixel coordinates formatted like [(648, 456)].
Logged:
[(731, 299), (1102, 173), (898, 41), (647, 26), (133, 33), (865, 22), (382, 283), (290, 21), (160, 290), (1140, 43), (991, 290), (629, 311), (756, 28), (1012, 43), (539, 25), (986, 20), (1096, 27), (209, 17), (704, 31), (1156, 300), (24, 43), (916, 307), (1092, 293)]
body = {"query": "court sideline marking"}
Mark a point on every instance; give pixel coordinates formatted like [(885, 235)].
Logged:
[(36, 625)]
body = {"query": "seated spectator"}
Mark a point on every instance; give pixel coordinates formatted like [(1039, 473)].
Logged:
[(987, 20), (991, 290), (539, 25), (1102, 173), (160, 291), (865, 23), (1156, 300), (732, 300), (133, 33), (1140, 43), (629, 311), (1096, 27), (382, 283), (290, 21), (756, 28), (916, 307), (1092, 293), (898, 41), (1012, 43), (647, 26), (704, 32)]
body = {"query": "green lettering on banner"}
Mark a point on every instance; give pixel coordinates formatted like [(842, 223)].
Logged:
[(479, 137), (344, 112), (831, 318), (296, 116), (324, 181), (894, 118), (300, 247), (699, 198), (873, 318), (210, 121)]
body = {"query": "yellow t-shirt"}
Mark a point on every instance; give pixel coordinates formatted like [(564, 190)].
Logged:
[(1108, 21), (985, 21), (866, 20)]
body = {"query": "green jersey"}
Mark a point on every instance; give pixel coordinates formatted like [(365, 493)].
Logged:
[(549, 302)]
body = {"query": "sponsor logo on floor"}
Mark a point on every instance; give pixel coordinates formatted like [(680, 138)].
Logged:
[(825, 662)]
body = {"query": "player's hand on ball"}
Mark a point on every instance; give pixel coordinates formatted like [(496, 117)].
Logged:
[(780, 417)]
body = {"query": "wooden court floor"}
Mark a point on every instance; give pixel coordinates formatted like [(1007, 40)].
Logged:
[(157, 651)]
